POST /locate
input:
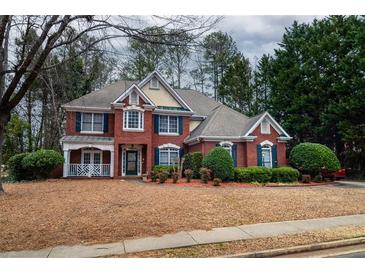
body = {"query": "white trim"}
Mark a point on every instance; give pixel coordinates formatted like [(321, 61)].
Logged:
[(169, 145), (129, 90), (140, 120), (75, 146), (222, 143), (169, 150), (169, 88), (92, 152), (87, 109), (269, 149), (91, 132), (168, 134), (274, 124), (172, 112), (220, 138), (157, 86), (268, 129), (133, 108), (266, 142), (138, 149), (130, 98)]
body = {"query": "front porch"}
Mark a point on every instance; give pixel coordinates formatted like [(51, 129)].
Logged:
[(88, 156)]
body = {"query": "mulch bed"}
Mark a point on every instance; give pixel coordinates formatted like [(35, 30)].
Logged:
[(198, 183)]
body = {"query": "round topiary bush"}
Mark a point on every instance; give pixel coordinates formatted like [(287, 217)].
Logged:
[(220, 163), (42, 162), (312, 158)]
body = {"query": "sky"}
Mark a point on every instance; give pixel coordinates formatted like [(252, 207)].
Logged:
[(257, 35)]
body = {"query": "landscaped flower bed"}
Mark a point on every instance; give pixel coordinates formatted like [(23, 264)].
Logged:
[(197, 183)]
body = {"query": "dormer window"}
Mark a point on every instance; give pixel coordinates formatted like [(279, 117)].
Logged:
[(133, 98), (154, 83), (265, 127)]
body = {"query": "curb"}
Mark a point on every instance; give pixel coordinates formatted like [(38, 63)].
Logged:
[(298, 249)]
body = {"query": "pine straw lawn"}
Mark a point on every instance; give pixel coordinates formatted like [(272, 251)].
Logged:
[(42, 214)]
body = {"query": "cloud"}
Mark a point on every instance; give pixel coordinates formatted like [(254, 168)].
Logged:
[(257, 35)]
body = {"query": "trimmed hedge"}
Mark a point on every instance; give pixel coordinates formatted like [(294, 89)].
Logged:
[(312, 158), (34, 165), (220, 163), (253, 174), (193, 161), (168, 169), (285, 174)]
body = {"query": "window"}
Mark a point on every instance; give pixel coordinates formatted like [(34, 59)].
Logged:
[(266, 156), (265, 127), (133, 98), (227, 147), (169, 156), (92, 122), (133, 120), (154, 83), (169, 124)]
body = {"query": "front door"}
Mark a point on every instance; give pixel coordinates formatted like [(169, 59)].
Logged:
[(131, 162)]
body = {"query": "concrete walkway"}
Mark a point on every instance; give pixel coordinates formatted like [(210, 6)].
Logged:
[(181, 239), (354, 184)]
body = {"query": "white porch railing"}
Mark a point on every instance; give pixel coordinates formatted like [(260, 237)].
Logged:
[(87, 170)]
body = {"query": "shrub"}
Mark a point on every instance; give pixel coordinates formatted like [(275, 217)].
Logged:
[(188, 174), (42, 162), (306, 178), (318, 178), (16, 170), (168, 169), (205, 175), (163, 176), (253, 174), (154, 176), (193, 161), (175, 177), (220, 163), (312, 158), (284, 174), (217, 182)]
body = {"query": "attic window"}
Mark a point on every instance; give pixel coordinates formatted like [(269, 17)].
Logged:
[(265, 127), (133, 98), (154, 84)]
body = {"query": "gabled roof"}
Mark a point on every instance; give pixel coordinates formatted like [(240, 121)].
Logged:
[(134, 87), (221, 122), (167, 86), (100, 98), (258, 119)]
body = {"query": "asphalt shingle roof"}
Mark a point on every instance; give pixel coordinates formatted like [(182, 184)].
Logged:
[(220, 119), (101, 98), (87, 139)]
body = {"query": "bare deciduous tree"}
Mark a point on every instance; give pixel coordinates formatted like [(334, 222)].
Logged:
[(52, 32)]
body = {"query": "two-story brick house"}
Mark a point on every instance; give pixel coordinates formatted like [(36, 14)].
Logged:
[(128, 127)]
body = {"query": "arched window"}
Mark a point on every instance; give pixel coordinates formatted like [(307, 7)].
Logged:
[(227, 146)]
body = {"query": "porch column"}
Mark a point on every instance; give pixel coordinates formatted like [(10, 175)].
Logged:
[(112, 163), (66, 155)]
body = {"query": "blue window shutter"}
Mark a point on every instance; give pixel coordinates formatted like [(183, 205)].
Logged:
[(274, 152), (78, 121), (217, 145), (259, 155), (181, 152), (181, 124), (157, 156), (234, 154), (156, 122), (106, 122)]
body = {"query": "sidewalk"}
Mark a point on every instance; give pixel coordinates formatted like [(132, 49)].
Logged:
[(191, 238)]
